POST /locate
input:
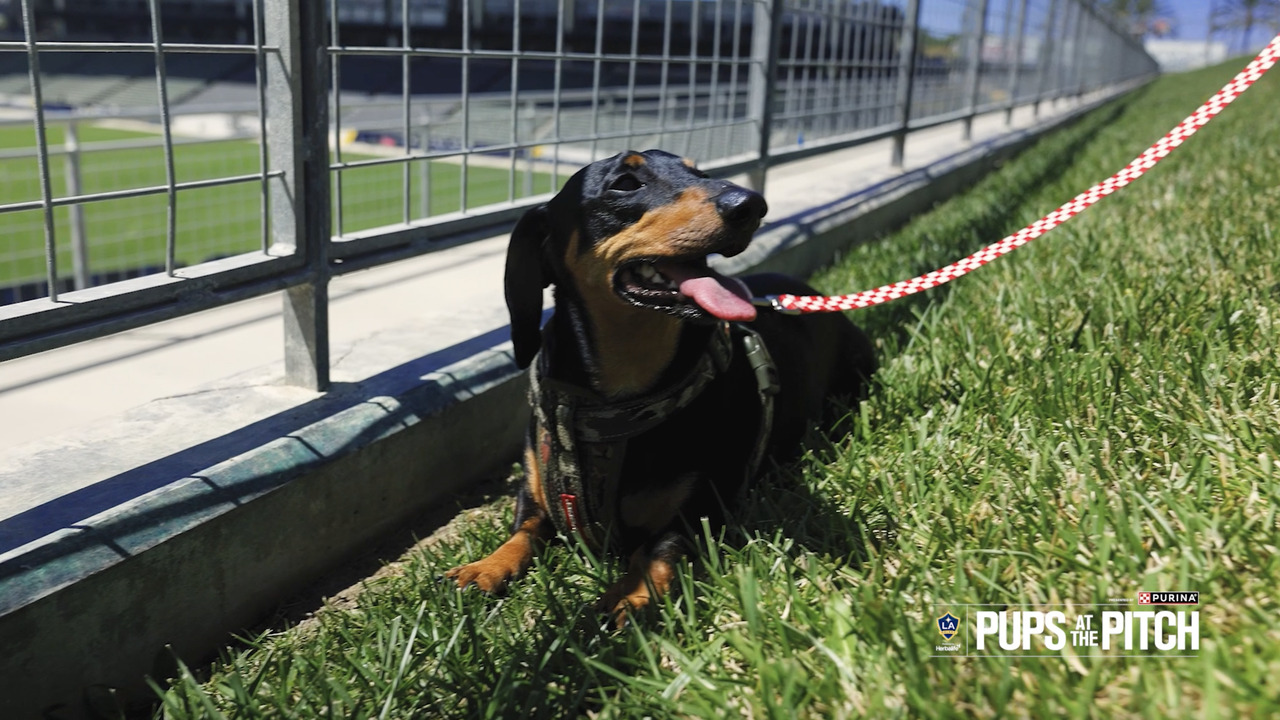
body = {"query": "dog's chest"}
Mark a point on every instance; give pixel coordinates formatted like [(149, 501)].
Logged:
[(615, 471)]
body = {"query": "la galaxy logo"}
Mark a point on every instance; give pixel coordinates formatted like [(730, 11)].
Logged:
[(948, 625)]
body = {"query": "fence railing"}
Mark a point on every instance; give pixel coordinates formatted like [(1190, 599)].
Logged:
[(346, 156)]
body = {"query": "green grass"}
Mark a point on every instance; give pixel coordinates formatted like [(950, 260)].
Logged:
[(1095, 415), (212, 222)]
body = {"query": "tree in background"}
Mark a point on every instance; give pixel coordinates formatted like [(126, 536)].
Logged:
[(1143, 17), (1244, 15)]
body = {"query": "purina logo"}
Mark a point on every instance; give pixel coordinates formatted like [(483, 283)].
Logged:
[(1168, 598), (948, 625)]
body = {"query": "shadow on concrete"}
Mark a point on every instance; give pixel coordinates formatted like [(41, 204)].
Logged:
[(69, 511)]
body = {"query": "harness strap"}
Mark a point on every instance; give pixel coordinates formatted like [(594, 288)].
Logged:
[(767, 385), (585, 435)]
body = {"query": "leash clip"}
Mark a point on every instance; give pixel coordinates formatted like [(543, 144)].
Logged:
[(772, 302)]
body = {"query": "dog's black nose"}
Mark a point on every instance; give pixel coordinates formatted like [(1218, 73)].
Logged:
[(739, 206)]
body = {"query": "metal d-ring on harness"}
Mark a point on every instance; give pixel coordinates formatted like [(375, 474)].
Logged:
[(582, 437)]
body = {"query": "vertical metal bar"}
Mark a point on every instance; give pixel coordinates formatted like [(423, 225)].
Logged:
[(1060, 57), (830, 49), (713, 110), (766, 33), (464, 180), (975, 67), (531, 113), (790, 89), (863, 36), (406, 175), (821, 69), (695, 20), (663, 76), (565, 8), (631, 70), (79, 238), (886, 92), (730, 136), (515, 100), (1077, 64), (42, 150), (335, 110), (424, 173), (906, 80), (264, 161), (838, 67), (298, 140), (1067, 49), (1015, 66), (162, 82), (840, 90), (1046, 50), (595, 78)]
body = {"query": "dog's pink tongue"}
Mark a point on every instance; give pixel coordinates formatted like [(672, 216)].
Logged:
[(722, 296)]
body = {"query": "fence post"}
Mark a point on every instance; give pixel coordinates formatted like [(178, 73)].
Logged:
[(1067, 51), (79, 240), (973, 75), (766, 30), (1015, 67), (906, 79), (1077, 59), (298, 143)]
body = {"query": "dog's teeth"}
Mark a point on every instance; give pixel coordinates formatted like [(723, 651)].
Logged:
[(650, 275)]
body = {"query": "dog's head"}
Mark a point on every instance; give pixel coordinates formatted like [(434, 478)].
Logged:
[(632, 231)]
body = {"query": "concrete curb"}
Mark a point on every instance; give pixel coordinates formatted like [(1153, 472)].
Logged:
[(184, 565)]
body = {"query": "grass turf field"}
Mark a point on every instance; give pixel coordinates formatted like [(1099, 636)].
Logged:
[(211, 222), (1090, 417)]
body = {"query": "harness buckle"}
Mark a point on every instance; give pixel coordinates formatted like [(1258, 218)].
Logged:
[(762, 364)]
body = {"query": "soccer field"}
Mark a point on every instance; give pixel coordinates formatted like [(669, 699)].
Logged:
[(129, 234)]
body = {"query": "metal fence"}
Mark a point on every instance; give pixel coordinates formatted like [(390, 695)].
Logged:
[(342, 156)]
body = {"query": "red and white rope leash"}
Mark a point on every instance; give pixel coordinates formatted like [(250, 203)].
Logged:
[(794, 304)]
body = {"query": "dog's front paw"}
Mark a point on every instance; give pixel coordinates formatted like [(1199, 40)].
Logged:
[(491, 577), (621, 603)]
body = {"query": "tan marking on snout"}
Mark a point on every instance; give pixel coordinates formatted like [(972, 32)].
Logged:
[(686, 226), (632, 345)]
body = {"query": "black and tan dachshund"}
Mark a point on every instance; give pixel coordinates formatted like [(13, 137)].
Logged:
[(654, 402)]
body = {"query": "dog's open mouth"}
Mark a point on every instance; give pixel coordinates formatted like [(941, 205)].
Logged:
[(684, 287)]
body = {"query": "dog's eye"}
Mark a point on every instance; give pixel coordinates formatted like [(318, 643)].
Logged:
[(626, 183)]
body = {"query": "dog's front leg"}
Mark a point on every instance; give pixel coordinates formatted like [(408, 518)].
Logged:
[(530, 530), (649, 576)]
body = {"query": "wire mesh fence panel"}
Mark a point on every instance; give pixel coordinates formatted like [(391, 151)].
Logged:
[(942, 57), (837, 68), (177, 149), (126, 185)]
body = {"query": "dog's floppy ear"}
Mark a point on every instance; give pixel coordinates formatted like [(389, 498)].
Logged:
[(526, 276)]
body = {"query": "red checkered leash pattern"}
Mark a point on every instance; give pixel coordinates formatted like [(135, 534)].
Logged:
[(794, 304)]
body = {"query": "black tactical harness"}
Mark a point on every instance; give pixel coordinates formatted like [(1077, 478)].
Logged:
[(582, 437)]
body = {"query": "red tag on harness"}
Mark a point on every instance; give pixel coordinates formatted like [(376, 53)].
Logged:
[(569, 505)]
